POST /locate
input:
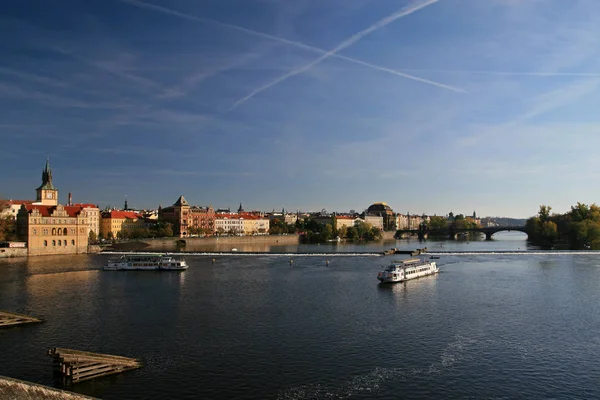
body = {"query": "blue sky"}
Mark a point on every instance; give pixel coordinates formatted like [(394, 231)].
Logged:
[(431, 106)]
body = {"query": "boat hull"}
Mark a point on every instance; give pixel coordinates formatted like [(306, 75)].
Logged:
[(125, 268), (143, 262)]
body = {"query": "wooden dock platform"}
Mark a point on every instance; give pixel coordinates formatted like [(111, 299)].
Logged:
[(12, 319), (77, 366), (16, 389)]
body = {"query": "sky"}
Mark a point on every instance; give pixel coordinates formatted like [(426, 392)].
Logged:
[(431, 106)]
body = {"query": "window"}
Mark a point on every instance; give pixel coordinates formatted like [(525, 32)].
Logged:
[(53, 231), (73, 242), (65, 242), (65, 232), (34, 231), (45, 243), (54, 243), (59, 243)]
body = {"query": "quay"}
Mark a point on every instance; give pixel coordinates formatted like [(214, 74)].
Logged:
[(77, 366), (16, 389), (13, 319)]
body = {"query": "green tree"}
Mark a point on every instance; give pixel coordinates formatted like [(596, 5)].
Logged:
[(92, 238), (549, 231), (437, 223), (342, 231), (351, 233), (544, 213), (7, 224), (327, 233)]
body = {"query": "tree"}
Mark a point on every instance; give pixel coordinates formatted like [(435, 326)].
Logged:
[(342, 231), (327, 233), (351, 233), (544, 213), (92, 238), (437, 223), (7, 224)]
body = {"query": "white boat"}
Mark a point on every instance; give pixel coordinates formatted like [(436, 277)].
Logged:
[(404, 270), (146, 262)]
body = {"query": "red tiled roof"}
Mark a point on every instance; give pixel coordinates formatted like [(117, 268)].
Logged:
[(123, 215), (85, 205), (19, 201), (46, 211), (239, 216)]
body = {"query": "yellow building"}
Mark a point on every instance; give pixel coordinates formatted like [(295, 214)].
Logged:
[(117, 224), (50, 228), (255, 224)]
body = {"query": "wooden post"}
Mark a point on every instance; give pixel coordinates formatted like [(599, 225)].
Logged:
[(12, 319)]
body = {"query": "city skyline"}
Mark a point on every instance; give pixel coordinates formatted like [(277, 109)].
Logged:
[(431, 106)]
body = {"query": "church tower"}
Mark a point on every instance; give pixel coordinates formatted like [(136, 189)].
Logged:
[(47, 194)]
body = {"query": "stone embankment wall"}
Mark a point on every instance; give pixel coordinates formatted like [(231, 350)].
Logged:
[(8, 252), (94, 249), (388, 235), (227, 243)]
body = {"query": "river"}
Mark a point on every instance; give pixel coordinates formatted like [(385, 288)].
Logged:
[(501, 321)]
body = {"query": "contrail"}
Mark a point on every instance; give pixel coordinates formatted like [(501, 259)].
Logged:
[(346, 43), (164, 10), (508, 73)]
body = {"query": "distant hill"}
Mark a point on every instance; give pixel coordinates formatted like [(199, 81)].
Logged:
[(504, 221)]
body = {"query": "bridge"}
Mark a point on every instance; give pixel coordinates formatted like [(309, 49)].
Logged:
[(452, 233)]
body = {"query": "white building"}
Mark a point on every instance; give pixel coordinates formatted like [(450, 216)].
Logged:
[(92, 214), (232, 224)]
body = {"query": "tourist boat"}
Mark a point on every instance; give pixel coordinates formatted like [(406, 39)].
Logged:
[(146, 262), (404, 270)]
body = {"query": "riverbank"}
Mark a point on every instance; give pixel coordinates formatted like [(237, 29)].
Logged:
[(223, 243)]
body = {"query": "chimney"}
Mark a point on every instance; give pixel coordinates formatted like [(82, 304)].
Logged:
[(70, 199)]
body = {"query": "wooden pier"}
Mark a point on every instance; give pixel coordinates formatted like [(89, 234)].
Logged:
[(12, 319), (77, 366)]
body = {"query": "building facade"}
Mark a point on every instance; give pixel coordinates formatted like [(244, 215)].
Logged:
[(386, 213), (375, 221), (120, 224), (229, 224), (92, 214), (255, 224), (344, 221), (13, 207), (51, 228), (188, 220)]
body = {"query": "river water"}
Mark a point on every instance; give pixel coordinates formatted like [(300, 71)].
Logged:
[(501, 321)]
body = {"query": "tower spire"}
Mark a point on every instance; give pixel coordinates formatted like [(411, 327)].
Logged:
[(47, 176)]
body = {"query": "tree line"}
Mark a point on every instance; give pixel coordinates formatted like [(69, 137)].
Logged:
[(577, 229), (452, 222), (313, 231)]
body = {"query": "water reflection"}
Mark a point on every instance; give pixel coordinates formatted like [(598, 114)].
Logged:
[(413, 286)]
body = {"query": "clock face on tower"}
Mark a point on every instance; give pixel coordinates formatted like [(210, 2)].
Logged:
[(49, 195)]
